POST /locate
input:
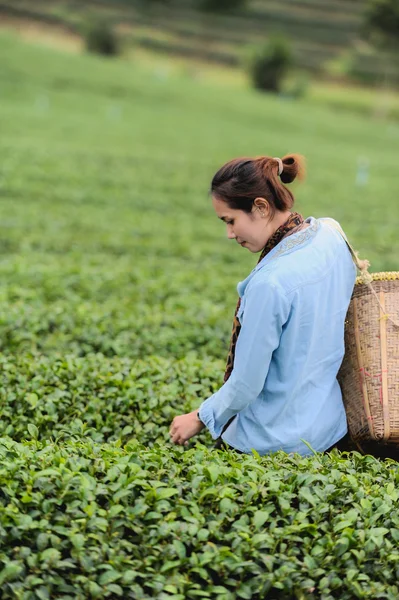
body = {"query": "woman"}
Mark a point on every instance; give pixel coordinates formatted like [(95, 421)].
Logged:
[(281, 387)]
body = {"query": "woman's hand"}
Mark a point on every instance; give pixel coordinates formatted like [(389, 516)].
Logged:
[(185, 427)]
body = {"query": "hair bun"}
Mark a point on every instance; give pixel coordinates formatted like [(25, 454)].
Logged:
[(293, 167)]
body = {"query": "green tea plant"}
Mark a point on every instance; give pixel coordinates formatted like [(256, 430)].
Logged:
[(104, 399), (83, 520)]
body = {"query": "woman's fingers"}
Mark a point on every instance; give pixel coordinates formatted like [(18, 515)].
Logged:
[(175, 434), (176, 437), (173, 428)]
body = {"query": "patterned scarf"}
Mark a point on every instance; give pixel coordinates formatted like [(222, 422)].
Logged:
[(293, 221)]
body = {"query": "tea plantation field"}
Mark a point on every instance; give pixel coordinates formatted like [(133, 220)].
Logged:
[(117, 290)]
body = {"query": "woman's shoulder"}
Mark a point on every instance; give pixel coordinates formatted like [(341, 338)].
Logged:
[(308, 264), (305, 257)]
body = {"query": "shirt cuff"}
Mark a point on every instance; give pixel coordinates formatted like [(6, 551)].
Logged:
[(206, 415)]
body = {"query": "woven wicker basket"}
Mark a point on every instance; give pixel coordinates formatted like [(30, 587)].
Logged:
[(369, 375)]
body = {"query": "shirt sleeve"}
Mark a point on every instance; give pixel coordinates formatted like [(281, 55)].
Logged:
[(265, 313)]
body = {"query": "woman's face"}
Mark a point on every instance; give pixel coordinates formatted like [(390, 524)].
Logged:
[(251, 230)]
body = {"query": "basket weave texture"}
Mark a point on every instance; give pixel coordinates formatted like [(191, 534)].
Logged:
[(369, 374)]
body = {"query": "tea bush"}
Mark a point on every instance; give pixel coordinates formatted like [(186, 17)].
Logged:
[(117, 291), (104, 399), (81, 520)]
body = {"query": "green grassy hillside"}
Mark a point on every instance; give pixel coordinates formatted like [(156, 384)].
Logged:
[(326, 37)]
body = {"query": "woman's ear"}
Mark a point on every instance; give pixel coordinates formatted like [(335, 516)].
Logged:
[(262, 206)]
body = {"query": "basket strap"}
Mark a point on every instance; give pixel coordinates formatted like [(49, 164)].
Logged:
[(362, 266)]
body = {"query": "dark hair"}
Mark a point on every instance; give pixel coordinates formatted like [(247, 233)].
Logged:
[(240, 181)]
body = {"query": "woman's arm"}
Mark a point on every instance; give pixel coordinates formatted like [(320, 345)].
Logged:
[(266, 311)]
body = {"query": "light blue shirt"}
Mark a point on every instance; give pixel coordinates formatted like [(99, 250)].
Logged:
[(284, 387)]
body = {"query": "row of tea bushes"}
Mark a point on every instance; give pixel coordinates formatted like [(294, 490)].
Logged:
[(112, 330), (106, 304), (101, 398), (81, 520)]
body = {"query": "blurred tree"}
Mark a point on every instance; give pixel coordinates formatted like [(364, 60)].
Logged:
[(221, 6), (101, 38), (149, 4), (381, 26), (382, 22), (270, 63)]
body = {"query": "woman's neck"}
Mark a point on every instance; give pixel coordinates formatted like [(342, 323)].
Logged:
[(279, 219)]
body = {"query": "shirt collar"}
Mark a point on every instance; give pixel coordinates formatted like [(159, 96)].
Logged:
[(287, 245)]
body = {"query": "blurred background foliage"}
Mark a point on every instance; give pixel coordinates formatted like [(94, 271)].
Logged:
[(340, 40)]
